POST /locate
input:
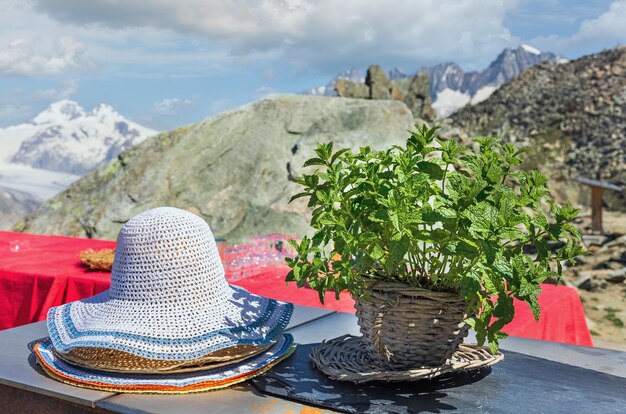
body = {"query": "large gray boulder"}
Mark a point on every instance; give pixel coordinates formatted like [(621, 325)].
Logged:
[(234, 170)]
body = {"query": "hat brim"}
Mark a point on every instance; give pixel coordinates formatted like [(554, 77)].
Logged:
[(180, 383), (152, 331), (112, 360)]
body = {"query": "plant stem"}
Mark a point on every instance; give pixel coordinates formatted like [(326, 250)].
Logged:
[(443, 180)]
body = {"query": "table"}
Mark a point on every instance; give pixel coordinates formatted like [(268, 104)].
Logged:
[(24, 385), (46, 272), (539, 377)]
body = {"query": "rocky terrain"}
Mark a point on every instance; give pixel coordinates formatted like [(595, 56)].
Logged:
[(448, 85), (452, 88), (572, 116), (413, 91), (14, 205), (234, 169), (601, 281)]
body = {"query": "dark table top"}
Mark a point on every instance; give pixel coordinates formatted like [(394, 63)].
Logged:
[(308, 325)]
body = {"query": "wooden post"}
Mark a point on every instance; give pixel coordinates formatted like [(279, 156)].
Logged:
[(596, 209), (597, 189)]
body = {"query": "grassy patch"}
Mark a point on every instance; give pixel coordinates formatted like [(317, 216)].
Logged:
[(611, 316), (20, 226)]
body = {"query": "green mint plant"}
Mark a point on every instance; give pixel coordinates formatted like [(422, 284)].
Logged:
[(435, 215)]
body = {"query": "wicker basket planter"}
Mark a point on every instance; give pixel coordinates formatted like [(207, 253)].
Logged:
[(409, 327)]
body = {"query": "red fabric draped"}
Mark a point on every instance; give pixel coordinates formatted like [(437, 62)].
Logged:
[(45, 271), (38, 272), (562, 318)]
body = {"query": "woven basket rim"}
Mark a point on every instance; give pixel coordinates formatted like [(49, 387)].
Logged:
[(409, 290), (347, 358)]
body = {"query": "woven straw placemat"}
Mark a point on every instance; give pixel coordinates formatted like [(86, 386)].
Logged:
[(98, 259), (347, 358)]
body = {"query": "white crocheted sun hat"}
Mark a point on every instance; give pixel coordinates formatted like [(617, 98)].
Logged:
[(169, 298)]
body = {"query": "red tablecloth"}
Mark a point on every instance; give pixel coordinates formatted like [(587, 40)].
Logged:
[(562, 317), (45, 272), (38, 272)]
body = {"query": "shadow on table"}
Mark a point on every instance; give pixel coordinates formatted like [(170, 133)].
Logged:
[(32, 361), (298, 380)]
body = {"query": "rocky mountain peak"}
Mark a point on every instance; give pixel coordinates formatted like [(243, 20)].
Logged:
[(452, 88), (353, 74), (572, 117), (61, 111), (66, 138), (398, 73), (104, 109)]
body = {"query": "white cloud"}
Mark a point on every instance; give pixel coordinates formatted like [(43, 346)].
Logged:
[(171, 106), (11, 112), (35, 56), (221, 105), (68, 89), (264, 91), (315, 33), (593, 34), (609, 25)]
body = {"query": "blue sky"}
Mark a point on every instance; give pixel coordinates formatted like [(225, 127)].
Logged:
[(166, 63)]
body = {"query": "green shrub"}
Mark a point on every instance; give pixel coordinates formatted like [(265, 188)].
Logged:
[(406, 215)]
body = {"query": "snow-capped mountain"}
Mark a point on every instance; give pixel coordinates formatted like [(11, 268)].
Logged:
[(64, 137), (451, 87), (353, 75), (40, 158), (397, 73)]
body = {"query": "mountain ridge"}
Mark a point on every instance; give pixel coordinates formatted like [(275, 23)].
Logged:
[(571, 115), (221, 170), (450, 86), (66, 138), (41, 157)]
